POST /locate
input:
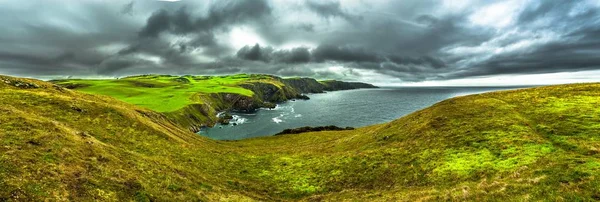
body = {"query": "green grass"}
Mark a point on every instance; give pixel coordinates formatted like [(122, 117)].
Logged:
[(524, 145)]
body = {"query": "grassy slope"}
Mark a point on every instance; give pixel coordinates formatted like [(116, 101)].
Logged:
[(525, 144), (515, 145)]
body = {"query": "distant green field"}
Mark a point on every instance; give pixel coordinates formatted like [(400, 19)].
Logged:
[(164, 93)]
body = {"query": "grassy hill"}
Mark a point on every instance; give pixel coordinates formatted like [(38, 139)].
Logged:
[(161, 93), (530, 144)]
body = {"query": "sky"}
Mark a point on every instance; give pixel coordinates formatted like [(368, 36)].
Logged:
[(384, 42)]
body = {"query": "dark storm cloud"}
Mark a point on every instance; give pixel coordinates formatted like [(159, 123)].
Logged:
[(268, 54), (295, 55), (111, 65), (254, 53), (413, 40), (355, 57), (424, 60), (182, 22), (36, 60), (159, 21), (344, 53)]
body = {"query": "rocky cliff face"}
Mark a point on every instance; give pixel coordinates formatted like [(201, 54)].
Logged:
[(272, 93), (310, 85), (304, 85), (333, 85)]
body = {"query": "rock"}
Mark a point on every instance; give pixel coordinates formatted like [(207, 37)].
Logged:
[(77, 109), (303, 97), (312, 129), (224, 121), (34, 142), (84, 134), (20, 84), (269, 105)]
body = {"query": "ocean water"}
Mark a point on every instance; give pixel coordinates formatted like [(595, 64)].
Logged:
[(354, 108)]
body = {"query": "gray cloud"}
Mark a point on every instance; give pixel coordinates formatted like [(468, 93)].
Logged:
[(159, 21)]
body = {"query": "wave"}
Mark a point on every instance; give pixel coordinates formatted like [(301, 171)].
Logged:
[(238, 119), (277, 119)]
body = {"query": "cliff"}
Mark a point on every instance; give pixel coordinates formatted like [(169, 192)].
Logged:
[(310, 85), (333, 85)]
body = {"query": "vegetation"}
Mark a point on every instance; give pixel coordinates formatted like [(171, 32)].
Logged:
[(531, 144)]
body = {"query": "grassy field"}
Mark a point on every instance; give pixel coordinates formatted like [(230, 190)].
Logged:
[(531, 144), (164, 93)]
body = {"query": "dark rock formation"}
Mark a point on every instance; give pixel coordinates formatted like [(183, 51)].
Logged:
[(224, 121), (18, 83), (312, 129), (227, 116), (237, 102)]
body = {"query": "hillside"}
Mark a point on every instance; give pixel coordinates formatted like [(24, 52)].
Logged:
[(194, 101), (530, 144)]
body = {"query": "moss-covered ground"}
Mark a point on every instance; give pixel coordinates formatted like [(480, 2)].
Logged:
[(532, 144)]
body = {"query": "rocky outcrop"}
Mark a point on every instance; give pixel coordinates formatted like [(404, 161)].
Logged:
[(312, 129), (194, 116), (18, 83), (304, 85), (310, 85), (333, 85)]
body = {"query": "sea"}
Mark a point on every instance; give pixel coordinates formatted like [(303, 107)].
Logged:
[(347, 108)]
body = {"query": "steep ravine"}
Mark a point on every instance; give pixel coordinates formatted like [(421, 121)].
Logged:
[(266, 95)]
